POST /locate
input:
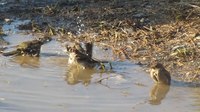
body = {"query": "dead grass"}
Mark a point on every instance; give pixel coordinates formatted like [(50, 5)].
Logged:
[(139, 30)]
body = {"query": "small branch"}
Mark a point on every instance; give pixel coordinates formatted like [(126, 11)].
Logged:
[(191, 5)]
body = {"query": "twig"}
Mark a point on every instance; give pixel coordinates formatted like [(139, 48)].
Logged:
[(191, 5)]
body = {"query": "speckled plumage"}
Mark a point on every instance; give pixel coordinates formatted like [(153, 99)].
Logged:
[(80, 56), (159, 74), (31, 48)]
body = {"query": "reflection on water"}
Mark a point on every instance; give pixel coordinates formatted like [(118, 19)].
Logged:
[(37, 85), (196, 97), (27, 61), (158, 93), (77, 75)]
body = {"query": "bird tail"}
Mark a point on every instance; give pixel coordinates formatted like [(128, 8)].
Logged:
[(89, 48), (10, 53)]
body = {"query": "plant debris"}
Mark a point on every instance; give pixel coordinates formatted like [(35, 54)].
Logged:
[(142, 30)]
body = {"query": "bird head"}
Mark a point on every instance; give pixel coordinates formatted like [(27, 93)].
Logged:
[(45, 39)]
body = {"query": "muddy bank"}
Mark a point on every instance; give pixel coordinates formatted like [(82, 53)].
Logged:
[(141, 30)]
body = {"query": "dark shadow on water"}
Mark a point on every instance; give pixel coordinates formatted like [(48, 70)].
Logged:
[(158, 93)]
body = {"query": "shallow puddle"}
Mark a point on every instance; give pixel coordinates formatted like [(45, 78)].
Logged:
[(45, 84)]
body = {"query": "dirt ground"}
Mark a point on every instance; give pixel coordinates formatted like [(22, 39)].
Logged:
[(140, 30)]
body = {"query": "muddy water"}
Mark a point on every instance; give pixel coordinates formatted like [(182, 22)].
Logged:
[(46, 84)]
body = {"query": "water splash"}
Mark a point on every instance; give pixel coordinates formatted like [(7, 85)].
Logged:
[(80, 26)]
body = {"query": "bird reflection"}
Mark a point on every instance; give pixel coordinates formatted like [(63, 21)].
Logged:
[(196, 96), (27, 61), (158, 93), (77, 75)]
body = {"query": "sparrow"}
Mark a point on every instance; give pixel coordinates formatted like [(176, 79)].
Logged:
[(159, 74), (29, 48), (80, 56)]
